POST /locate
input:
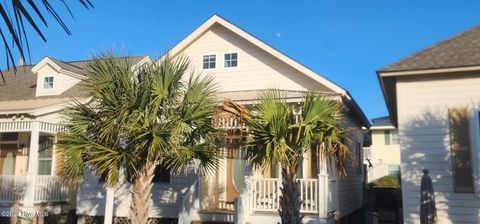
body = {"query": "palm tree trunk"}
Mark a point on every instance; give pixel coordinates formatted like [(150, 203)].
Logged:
[(290, 200), (141, 190)]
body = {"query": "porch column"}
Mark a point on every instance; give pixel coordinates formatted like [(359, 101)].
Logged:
[(32, 164)]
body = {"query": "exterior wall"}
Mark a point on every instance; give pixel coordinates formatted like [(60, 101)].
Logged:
[(256, 68), (423, 104), (61, 82), (350, 187), (382, 155), (166, 198)]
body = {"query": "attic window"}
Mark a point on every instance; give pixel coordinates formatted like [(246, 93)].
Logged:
[(209, 61), (48, 82), (231, 60)]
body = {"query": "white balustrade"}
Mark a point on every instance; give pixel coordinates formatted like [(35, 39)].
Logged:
[(12, 188), (15, 126), (19, 126), (50, 189), (47, 189), (228, 122), (318, 196)]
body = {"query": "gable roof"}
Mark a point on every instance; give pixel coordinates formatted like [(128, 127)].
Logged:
[(216, 19), (22, 84), (461, 50)]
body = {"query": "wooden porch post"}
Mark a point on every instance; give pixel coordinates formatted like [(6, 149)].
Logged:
[(109, 205), (32, 164)]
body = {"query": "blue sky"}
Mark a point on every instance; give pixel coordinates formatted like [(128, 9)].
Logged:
[(346, 41)]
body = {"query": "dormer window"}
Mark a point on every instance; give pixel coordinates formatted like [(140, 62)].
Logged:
[(209, 61), (48, 82)]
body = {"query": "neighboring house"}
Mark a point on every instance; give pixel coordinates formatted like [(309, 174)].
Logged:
[(30, 103), (243, 67), (384, 151), (433, 97)]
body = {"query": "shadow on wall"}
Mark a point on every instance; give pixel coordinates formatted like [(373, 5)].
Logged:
[(166, 198), (425, 144)]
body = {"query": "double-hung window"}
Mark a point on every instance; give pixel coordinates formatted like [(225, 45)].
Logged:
[(45, 155)]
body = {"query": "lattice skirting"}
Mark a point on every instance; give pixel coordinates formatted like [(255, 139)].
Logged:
[(125, 220)]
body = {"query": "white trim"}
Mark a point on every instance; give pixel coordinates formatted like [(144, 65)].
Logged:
[(56, 67), (215, 19), (383, 127), (429, 71)]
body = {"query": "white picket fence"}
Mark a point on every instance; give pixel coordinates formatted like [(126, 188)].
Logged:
[(318, 196), (47, 189)]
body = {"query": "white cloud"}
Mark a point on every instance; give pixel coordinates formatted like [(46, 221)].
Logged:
[(279, 34)]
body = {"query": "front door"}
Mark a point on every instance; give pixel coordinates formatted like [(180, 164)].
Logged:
[(235, 181)]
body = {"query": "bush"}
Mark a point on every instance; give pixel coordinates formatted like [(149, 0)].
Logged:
[(386, 181)]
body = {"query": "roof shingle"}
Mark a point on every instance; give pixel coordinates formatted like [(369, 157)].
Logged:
[(461, 50)]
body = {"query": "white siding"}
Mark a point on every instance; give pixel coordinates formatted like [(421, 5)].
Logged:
[(61, 82), (423, 104), (350, 189), (256, 69), (166, 199)]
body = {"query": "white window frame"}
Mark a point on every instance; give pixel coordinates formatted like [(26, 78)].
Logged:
[(45, 81), (216, 61), (392, 165), (231, 52), (390, 136), (475, 144)]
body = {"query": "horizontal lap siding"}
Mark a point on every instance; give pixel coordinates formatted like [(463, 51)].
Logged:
[(350, 189), (166, 200), (256, 69), (425, 142)]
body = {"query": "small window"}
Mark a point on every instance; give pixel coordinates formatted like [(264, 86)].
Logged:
[(209, 61), (387, 137), (45, 154), (231, 60), (162, 175), (394, 170), (48, 82)]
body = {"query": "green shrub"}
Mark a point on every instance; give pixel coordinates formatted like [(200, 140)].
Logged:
[(386, 181)]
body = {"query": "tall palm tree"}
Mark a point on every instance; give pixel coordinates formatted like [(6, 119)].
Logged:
[(137, 120), (279, 135)]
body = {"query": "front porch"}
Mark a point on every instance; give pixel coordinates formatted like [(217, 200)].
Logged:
[(239, 190), (27, 158)]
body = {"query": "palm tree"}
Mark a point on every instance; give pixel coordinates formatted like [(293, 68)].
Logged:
[(137, 120), (279, 135), (15, 14)]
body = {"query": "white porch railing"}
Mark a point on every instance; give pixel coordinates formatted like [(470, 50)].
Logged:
[(318, 196), (47, 189), (12, 188), (50, 189), (228, 122), (20, 126)]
